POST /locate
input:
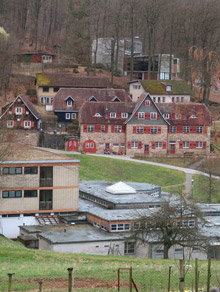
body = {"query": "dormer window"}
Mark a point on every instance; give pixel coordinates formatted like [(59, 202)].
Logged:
[(169, 88), (178, 117), (124, 115), (193, 117), (92, 98), (113, 115), (116, 99), (97, 115), (69, 101), (18, 110)]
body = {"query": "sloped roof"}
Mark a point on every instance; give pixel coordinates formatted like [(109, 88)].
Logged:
[(68, 80), (89, 109), (159, 87), (27, 103), (84, 94), (195, 113), (120, 188)]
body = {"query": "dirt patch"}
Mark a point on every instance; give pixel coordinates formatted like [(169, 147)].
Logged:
[(62, 283)]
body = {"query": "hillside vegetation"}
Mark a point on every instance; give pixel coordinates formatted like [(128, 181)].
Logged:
[(92, 273)]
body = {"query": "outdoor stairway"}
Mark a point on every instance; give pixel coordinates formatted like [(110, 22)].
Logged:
[(48, 219)]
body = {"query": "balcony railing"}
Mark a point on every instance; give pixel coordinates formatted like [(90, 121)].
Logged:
[(46, 205)]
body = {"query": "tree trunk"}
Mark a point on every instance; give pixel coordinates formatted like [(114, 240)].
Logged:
[(165, 253)]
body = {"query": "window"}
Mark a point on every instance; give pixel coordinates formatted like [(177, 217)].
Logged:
[(199, 144), (11, 194), (136, 225), (159, 251), (185, 144), (73, 116), (10, 124), (117, 128), (112, 115), (18, 110), (141, 115), (46, 176), (45, 89), (122, 144), (173, 99), (31, 170), (158, 145), (153, 130), (166, 116), (55, 89), (182, 99), (154, 99), (91, 145), (158, 99), (30, 193), (185, 129), (198, 129), (177, 99), (140, 129), (163, 98), (178, 117), (129, 247), (27, 124), (172, 129), (124, 115), (87, 145), (90, 128), (102, 128), (178, 250), (168, 87), (147, 102), (12, 170), (191, 223), (136, 86), (134, 144), (120, 227), (67, 116), (69, 103), (115, 144), (153, 116)]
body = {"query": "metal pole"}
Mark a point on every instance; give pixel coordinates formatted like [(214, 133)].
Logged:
[(169, 278), (10, 281), (70, 271), (196, 275), (118, 280), (181, 275), (209, 275), (40, 286), (130, 279)]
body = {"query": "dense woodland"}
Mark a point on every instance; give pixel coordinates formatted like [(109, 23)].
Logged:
[(189, 29)]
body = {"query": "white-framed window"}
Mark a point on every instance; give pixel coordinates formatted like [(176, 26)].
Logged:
[(27, 124), (18, 110), (186, 129), (158, 145), (199, 144), (166, 116), (136, 225), (154, 98), (73, 116), (153, 116), (140, 129), (141, 115), (69, 102), (191, 223), (124, 115), (67, 116), (159, 251), (134, 144), (177, 99), (10, 124), (101, 144), (129, 248), (182, 99), (121, 227), (147, 102), (91, 145), (185, 144), (168, 87), (199, 129), (115, 144), (153, 130), (173, 99), (158, 99), (117, 128), (90, 128), (173, 129), (163, 98), (177, 117), (112, 115), (135, 86), (87, 145), (122, 144), (102, 128), (178, 250)]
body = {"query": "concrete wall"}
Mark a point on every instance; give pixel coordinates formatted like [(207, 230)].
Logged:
[(135, 93), (41, 93)]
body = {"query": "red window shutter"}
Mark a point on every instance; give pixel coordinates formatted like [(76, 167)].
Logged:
[(22, 124), (5, 123), (181, 145), (136, 116), (145, 116), (108, 115), (99, 128), (204, 145), (148, 130), (153, 145), (145, 130), (15, 123), (151, 102), (85, 128), (159, 130), (113, 129), (106, 129), (192, 129), (139, 144), (164, 145), (134, 129), (191, 145), (117, 116), (32, 124), (179, 129), (123, 128), (23, 110), (158, 116), (129, 145)]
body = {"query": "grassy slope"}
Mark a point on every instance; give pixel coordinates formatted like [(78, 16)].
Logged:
[(35, 264), (99, 168)]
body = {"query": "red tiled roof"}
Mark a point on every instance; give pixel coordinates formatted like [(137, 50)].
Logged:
[(195, 113), (89, 109), (68, 80), (80, 95)]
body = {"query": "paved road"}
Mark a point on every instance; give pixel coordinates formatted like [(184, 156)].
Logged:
[(188, 171)]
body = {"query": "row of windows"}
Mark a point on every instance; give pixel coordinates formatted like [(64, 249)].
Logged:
[(18, 170), (121, 227), (157, 145), (185, 129), (18, 194), (147, 130), (183, 223), (114, 115), (11, 124), (70, 116), (151, 116), (102, 128), (46, 100), (91, 198), (197, 144)]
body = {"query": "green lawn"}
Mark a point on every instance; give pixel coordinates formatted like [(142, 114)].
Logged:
[(31, 265), (201, 188), (176, 161), (99, 168)]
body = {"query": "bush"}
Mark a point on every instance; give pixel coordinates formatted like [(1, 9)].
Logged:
[(31, 92)]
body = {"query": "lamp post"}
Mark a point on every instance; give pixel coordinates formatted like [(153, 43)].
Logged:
[(192, 186)]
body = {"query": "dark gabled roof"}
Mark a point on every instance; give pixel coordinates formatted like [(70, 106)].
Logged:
[(89, 109), (36, 53), (68, 80), (27, 103), (195, 113), (139, 103), (159, 87), (84, 94)]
